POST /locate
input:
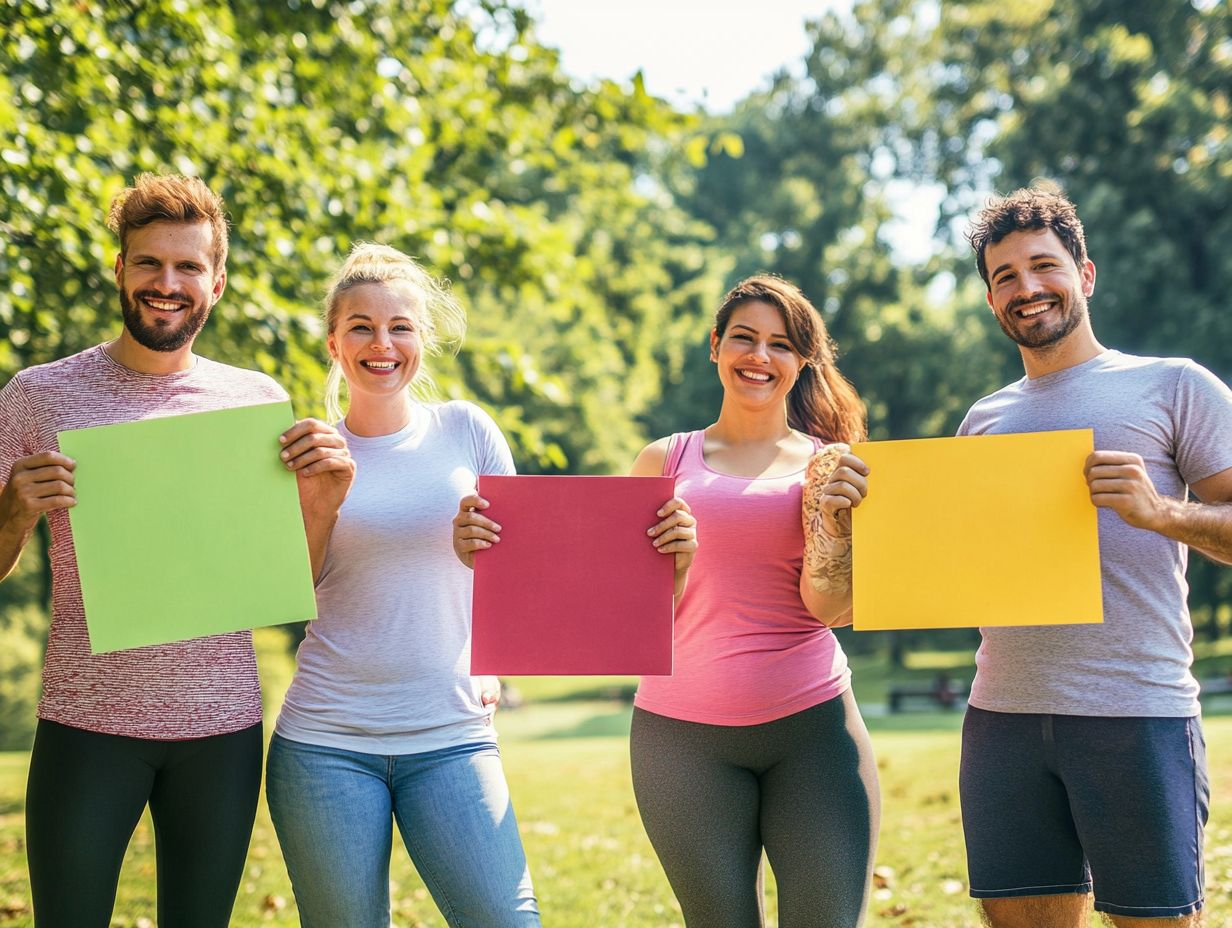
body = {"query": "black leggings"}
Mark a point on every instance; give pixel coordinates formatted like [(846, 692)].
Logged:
[(85, 796), (803, 787)]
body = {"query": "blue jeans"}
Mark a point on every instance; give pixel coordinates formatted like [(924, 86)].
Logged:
[(333, 812)]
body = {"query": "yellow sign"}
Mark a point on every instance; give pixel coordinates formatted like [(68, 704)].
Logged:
[(979, 530)]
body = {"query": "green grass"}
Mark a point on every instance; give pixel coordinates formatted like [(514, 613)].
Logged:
[(567, 762)]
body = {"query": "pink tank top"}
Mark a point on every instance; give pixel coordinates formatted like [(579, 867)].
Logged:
[(747, 651)]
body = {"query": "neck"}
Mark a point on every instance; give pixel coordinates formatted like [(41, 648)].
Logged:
[(750, 426), (370, 417), (1077, 348), (127, 351)]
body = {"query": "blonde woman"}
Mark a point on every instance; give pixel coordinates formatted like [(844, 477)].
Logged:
[(383, 722)]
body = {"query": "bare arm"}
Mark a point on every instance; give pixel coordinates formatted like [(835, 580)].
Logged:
[(1118, 480), (676, 533), (324, 470), (37, 484), (835, 483)]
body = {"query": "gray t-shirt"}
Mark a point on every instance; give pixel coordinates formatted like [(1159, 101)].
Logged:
[(385, 667), (1178, 416)]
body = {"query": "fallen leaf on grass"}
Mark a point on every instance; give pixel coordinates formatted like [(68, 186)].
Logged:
[(883, 876)]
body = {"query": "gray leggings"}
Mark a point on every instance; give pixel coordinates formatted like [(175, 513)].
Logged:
[(803, 787)]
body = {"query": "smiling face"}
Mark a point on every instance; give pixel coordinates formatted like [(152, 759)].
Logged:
[(168, 283), (1036, 291), (377, 339), (755, 358)]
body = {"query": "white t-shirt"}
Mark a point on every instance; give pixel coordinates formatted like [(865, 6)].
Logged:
[(1178, 416), (385, 668)]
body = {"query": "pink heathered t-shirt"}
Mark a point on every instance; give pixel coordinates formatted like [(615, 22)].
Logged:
[(189, 689), (747, 651)]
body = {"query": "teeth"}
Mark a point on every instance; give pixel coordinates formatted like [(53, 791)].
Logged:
[(381, 365), (755, 375), (1038, 308), (164, 305)]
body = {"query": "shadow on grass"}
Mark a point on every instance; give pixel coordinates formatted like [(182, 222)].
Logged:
[(616, 693), (615, 723), (915, 721), (601, 725)]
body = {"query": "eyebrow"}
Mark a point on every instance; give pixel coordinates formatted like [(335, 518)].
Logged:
[(368, 318), (1036, 257), (749, 328), (140, 255)]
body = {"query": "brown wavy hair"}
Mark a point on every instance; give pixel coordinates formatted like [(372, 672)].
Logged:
[(169, 198), (822, 403)]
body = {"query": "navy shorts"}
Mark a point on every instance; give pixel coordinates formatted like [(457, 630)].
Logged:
[(1060, 803)]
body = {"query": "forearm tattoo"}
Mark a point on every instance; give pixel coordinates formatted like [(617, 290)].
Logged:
[(827, 557)]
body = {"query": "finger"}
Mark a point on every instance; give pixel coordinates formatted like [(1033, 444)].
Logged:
[(472, 501), (675, 504), (50, 488), (840, 491), (470, 545), (853, 463), (1102, 458), (679, 547), (464, 519), (1119, 470), (675, 533), (43, 459), (299, 462), (48, 474), (1114, 485), (310, 441), (677, 518), (850, 479), (476, 532), (305, 427), (321, 460), (49, 503)]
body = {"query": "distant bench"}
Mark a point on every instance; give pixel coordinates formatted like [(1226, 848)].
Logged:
[(942, 694), (1215, 686)]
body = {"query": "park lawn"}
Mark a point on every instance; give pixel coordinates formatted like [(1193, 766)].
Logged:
[(567, 761), (567, 764)]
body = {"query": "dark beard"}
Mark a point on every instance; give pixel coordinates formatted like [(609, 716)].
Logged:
[(1076, 310), (157, 337)]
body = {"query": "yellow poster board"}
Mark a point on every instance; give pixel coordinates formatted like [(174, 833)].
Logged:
[(976, 531)]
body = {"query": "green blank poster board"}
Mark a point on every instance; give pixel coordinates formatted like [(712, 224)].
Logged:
[(188, 526)]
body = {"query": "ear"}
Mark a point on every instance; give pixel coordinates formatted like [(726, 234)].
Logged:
[(714, 345), (332, 346), (119, 269), (988, 298), (220, 284), (1087, 273)]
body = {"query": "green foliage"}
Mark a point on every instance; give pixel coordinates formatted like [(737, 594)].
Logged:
[(23, 629), (443, 129)]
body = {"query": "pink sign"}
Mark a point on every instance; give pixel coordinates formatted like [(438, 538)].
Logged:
[(574, 586)]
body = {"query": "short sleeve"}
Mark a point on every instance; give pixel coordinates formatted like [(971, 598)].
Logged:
[(1202, 417), (493, 456), (16, 427)]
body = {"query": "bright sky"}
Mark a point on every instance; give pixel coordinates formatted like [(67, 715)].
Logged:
[(690, 51), (710, 52)]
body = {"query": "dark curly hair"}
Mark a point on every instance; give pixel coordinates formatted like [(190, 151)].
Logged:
[(1027, 209)]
